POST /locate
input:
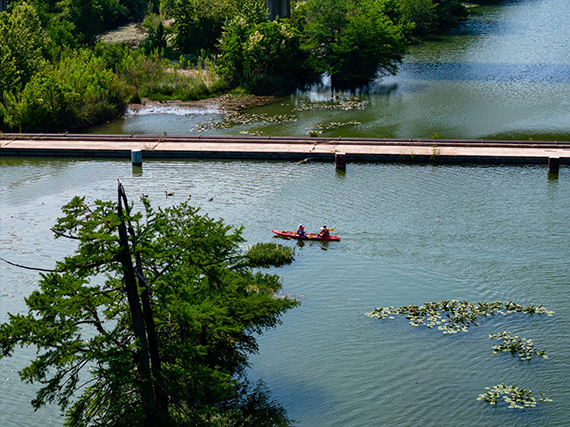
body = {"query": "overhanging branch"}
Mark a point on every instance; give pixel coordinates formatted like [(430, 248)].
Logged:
[(30, 268)]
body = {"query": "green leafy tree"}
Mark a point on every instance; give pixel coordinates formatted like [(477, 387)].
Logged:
[(21, 44), (198, 23), (352, 40), (45, 104), (449, 13), (79, 90), (86, 16), (263, 57), (421, 14), (155, 39), (151, 321)]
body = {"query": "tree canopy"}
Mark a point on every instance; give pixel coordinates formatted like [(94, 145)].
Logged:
[(151, 320), (352, 40)]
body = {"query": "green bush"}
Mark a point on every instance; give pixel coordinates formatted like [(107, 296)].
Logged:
[(21, 45), (198, 23), (261, 56), (45, 105), (352, 41)]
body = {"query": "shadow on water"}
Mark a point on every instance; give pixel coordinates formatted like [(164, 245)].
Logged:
[(488, 72)]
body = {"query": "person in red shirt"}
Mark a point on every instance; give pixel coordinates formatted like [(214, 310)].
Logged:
[(324, 232)]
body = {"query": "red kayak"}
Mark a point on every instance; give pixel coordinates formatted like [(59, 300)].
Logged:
[(310, 236)]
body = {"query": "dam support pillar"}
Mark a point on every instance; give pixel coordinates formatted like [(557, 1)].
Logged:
[(281, 8)]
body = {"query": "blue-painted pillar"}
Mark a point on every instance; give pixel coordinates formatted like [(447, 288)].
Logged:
[(281, 8)]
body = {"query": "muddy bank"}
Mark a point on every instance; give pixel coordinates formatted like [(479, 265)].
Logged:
[(223, 104)]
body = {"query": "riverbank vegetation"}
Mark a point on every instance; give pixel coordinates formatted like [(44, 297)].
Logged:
[(56, 73)]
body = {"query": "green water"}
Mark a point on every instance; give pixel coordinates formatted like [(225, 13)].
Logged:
[(504, 74), (410, 234)]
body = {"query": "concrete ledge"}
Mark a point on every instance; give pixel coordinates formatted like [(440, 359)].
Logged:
[(285, 148)]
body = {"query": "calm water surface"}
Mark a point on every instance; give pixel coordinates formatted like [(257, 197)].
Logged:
[(410, 234), (504, 74)]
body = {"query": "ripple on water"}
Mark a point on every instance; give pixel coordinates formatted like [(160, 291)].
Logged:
[(410, 234)]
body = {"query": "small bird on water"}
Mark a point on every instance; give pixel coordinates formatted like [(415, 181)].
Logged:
[(168, 193)]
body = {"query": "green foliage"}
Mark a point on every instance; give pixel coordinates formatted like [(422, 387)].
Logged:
[(261, 56), (76, 91), (45, 105), (155, 40), (167, 7), (264, 58), (21, 44), (198, 23), (517, 398), (268, 254), (421, 14), (449, 13), (352, 41), (150, 321), (95, 85), (86, 16), (523, 347)]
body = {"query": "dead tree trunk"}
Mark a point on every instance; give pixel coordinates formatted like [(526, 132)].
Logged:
[(131, 289)]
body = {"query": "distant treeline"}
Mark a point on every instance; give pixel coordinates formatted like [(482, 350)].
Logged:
[(55, 74)]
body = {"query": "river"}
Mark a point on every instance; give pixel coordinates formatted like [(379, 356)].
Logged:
[(410, 234), (503, 74)]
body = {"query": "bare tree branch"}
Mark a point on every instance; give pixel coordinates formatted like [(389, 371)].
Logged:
[(30, 268), (69, 236)]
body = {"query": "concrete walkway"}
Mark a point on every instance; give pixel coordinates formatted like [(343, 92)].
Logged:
[(285, 148)]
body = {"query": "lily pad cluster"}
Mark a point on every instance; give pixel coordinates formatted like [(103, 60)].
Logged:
[(319, 128), (518, 398), (251, 132), (452, 316), (239, 119), (517, 345), (333, 103)]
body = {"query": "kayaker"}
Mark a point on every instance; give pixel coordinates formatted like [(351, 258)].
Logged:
[(324, 233), (301, 231)]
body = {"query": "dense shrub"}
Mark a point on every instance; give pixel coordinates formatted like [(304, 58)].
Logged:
[(352, 41), (198, 23), (261, 56), (21, 45), (45, 105)]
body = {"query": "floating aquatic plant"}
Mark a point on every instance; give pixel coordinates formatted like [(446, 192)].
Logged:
[(518, 398), (455, 316), (251, 132), (516, 345), (319, 128), (333, 103), (239, 119)]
